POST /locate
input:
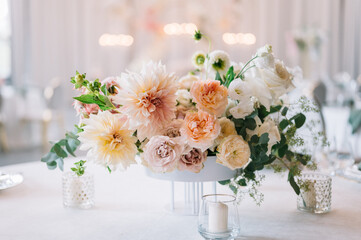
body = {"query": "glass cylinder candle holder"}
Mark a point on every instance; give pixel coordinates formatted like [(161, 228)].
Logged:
[(316, 193), (218, 217), (78, 191)]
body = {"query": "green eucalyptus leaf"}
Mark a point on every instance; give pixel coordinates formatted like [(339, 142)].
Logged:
[(233, 188), (264, 139), (51, 165), (59, 151), (60, 163), (284, 111), (284, 123), (49, 157), (62, 142), (282, 151), (274, 109), (69, 149), (242, 182), (250, 123), (254, 139), (293, 183), (224, 182), (299, 119)]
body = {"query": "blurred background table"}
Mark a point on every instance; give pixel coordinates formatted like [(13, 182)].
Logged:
[(129, 205)]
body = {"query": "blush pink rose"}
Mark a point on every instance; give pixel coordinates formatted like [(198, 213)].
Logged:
[(112, 84), (210, 96), (200, 129), (193, 160), (84, 110), (161, 154)]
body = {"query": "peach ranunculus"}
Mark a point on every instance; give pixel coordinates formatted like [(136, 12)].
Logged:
[(200, 129), (161, 154), (210, 96), (192, 160), (233, 152)]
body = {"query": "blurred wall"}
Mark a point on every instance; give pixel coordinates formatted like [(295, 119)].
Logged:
[(53, 38)]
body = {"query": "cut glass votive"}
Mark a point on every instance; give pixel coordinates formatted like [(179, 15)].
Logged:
[(78, 191), (316, 193)]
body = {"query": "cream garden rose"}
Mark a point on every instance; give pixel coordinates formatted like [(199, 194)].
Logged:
[(227, 129), (268, 126), (233, 152)]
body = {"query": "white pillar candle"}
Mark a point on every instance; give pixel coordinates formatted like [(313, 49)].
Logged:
[(218, 217)]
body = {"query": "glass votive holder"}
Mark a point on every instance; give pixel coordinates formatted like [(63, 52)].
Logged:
[(218, 217), (78, 191), (316, 193)]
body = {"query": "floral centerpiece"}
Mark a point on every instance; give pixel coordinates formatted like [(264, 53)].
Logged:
[(234, 111)]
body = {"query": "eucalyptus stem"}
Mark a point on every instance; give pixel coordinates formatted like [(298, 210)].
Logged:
[(281, 160)]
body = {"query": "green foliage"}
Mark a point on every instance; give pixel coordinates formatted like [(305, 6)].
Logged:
[(299, 119), (355, 120), (102, 101), (197, 35), (79, 168), (60, 150), (94, 96), (224, 182)]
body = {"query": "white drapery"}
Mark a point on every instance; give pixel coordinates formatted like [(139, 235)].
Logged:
[(54, 38)]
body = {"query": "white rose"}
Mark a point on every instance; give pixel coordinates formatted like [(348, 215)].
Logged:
[(268, 126), (186, 82), (184, 97), (243, 109), (260, 91), (279, 80), (239, 89), (265, 57)]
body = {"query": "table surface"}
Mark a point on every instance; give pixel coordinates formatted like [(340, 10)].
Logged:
[(130, 205)]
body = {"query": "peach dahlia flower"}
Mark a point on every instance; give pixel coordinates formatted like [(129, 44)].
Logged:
[(148, 99), (108, 140)]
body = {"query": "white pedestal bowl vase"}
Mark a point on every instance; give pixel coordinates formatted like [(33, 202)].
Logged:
[(193, 184)]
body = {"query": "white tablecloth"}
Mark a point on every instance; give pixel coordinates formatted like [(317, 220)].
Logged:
[(129, 205)]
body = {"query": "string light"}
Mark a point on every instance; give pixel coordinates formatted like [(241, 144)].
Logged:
[(178, 29), (239, 38), (115, 40)]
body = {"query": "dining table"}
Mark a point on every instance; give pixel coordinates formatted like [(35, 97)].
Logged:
[(131, 205)]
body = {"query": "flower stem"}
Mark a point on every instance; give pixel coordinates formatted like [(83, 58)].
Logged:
[(242, 70), (209, 50)]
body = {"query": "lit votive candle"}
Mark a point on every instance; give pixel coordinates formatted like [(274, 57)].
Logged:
[(218, 217)]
